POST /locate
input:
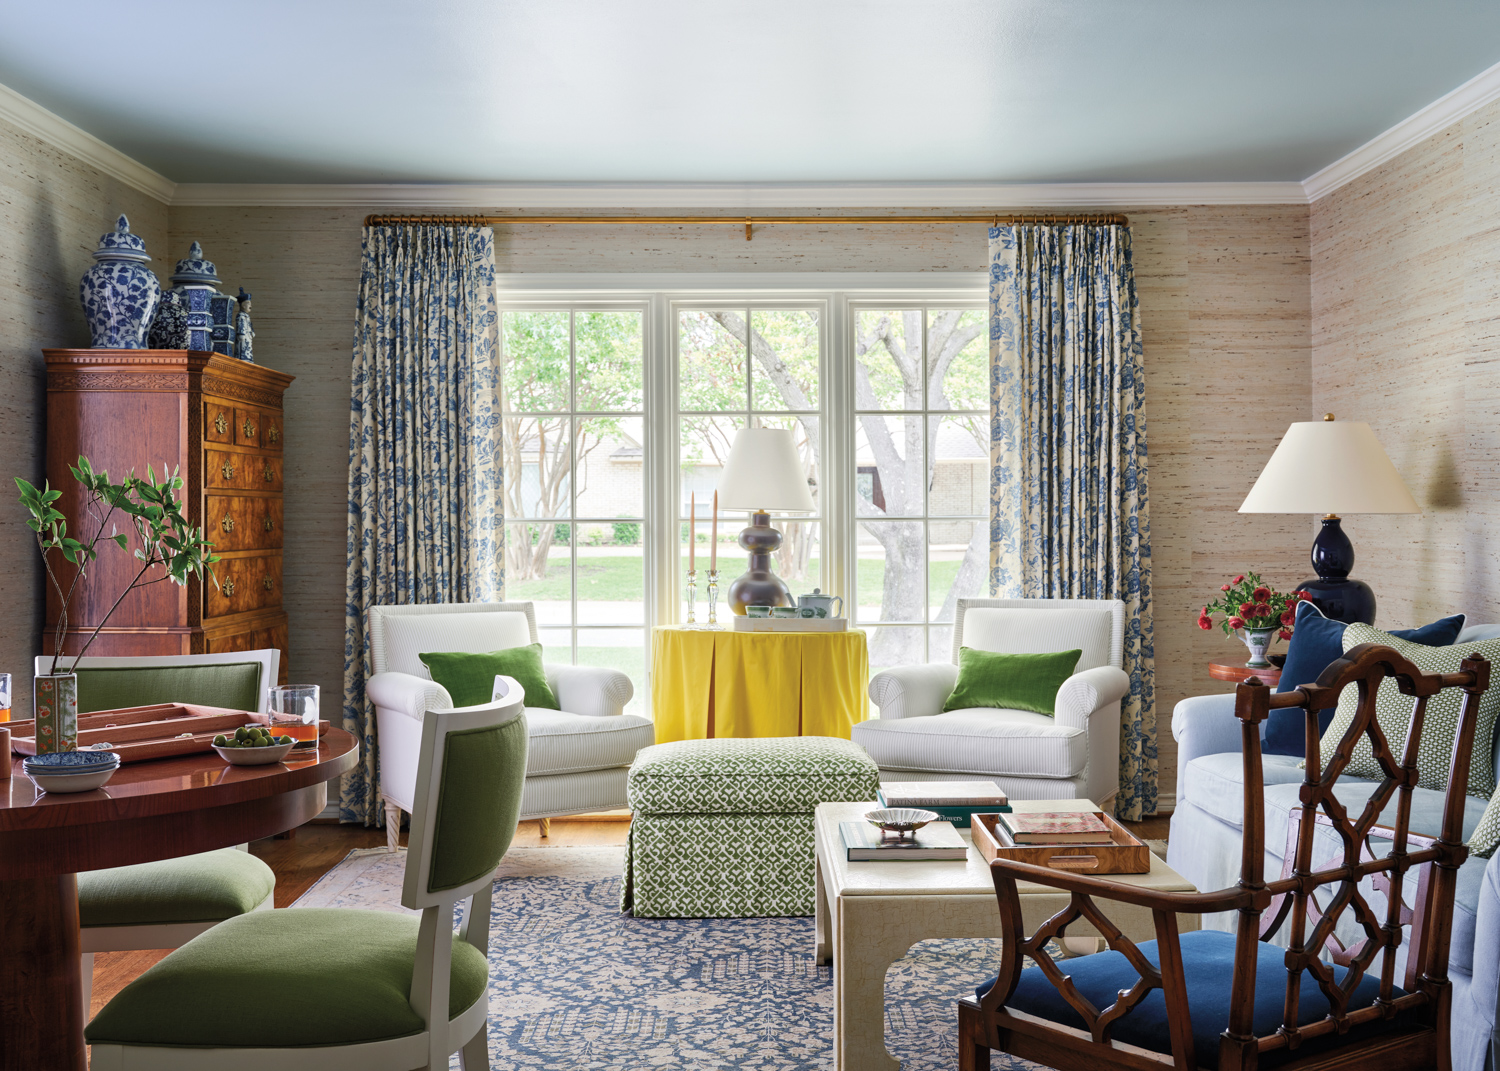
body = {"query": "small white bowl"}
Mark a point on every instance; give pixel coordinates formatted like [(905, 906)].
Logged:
[(900, 819), (57, 783), (254, 756)]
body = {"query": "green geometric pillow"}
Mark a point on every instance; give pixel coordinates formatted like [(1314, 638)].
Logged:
[(1486, 836), (1393, 711)]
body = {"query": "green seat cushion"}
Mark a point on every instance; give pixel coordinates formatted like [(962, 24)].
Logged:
[(1439, 726), (1010, 681), (301, 976), (196, 888), (470, 678), (773, 775), (221, 684)]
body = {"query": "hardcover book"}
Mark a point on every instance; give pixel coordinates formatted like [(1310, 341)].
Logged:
[(1056, 827), (863, 843), (942, 794)]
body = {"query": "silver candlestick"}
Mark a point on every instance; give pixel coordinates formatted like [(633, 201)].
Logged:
[(692, 598), (713, 598)]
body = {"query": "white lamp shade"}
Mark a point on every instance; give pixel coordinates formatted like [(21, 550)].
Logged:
[(1329, 466), (763, 473)]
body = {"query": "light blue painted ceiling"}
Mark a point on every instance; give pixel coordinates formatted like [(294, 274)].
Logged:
[(741, 90)]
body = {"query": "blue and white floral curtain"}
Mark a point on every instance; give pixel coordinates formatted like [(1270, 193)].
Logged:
[(425, 512), (1068, 511)]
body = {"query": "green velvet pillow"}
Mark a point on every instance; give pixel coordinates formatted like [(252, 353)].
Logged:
[(470, 678), (1012, 681)]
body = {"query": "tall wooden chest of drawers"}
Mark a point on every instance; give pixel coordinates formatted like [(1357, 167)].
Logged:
[(218, 421)]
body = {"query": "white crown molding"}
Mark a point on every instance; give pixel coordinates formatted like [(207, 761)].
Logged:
[(31, 117), (748, 197), (1474, 94)]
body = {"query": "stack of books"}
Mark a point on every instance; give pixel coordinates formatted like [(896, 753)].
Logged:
[(957, 801), (863, 843), (1055, 827)]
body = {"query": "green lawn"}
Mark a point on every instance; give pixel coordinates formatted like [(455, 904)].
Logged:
[(611, 579)]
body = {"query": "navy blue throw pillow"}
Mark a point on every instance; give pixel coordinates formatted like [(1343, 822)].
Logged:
[(1315, 643)]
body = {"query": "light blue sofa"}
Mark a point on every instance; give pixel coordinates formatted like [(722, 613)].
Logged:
[(1204, 847)]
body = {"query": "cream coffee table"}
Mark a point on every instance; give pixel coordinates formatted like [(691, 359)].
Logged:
[(869, 914)]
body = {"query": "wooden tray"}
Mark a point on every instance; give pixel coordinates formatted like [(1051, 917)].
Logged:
[(1126, 855), (151, 732)]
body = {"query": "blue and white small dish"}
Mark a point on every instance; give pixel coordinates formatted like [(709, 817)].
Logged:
[(71, 771)]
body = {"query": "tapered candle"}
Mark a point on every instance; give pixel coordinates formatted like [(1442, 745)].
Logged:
[(713, 539), (692, 530)]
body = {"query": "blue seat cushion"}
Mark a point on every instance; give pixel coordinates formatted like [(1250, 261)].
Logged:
[(1208, 964), (1316, 642)]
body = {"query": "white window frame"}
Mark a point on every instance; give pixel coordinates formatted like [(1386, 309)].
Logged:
[(836, 294)]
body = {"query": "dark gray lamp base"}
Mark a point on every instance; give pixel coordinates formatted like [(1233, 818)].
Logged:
[(759, 586)]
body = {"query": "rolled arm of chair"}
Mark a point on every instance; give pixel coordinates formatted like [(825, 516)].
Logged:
[(913, 691), (1203, 725), (1083, 693), (407, 694), (593, 691)]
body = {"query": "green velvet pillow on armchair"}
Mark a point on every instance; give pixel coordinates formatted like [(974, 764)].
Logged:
[(1011, 681), (470, 678)]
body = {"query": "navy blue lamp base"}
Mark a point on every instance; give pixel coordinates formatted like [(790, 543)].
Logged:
[(1334, 593)]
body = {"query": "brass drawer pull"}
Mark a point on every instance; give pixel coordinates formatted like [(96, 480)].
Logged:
[(270, 474), (268, 583), (220, 424), (274, 434), (229, 588), (228, 470), (249, 429), (227, 524), (270, 525)]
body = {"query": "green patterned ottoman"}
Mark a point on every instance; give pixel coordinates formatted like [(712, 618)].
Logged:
[(724, 828)]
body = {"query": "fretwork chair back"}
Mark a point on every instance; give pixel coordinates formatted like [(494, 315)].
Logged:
[(1235, 1002), (327, 989)]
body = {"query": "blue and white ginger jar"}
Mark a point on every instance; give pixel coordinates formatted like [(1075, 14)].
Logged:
[(119, 292), (206, 320)]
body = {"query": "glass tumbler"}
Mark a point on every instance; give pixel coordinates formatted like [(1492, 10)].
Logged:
[(4, 699), (294, 712)]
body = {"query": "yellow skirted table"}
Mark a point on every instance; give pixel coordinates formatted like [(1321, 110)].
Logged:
[(723, 683)]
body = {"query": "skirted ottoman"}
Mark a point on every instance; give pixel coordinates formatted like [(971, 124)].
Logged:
[(724, 828)]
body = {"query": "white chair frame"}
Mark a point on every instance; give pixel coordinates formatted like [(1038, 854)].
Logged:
[(161, 934), (466, 1034)]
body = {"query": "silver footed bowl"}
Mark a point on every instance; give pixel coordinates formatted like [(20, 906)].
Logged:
[(900, 819)]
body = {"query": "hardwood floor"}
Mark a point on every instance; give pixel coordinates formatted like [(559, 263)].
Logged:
[(319, 846)]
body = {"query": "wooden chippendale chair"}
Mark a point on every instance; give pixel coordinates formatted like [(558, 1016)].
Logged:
[(1235, 1002)]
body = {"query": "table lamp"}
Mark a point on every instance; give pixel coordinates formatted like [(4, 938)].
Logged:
[(763, 473), (1328, 467)]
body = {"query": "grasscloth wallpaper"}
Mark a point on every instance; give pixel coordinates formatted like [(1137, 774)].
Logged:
[(52, 211), (1406, 336), (1224, 299)]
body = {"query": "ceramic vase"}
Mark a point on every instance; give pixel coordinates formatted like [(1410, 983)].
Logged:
[(119, 292), (206, 320), (1258, 640), (55, 703)]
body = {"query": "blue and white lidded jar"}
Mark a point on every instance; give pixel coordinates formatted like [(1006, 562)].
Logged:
[(200, 325), (119, 292)]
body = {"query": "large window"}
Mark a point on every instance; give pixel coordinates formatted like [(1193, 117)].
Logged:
[(921, 475), (573, 434), (748, 367), (619, 406)]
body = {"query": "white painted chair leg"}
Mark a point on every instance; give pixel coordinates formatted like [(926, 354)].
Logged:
[(546, 824), (475, 1056), (87, 974), (392, 826)]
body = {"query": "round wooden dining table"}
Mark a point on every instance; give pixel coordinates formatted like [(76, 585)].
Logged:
[(148, 810)]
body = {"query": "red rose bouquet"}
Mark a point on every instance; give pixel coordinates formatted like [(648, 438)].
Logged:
[(1246, 602)]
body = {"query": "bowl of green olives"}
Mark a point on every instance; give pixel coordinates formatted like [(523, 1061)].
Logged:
[(252, 745)]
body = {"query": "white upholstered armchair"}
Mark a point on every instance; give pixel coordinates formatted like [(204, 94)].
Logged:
[(577, 757), (1072, 755)]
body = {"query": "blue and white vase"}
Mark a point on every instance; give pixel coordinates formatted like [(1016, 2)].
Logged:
[(207, 317), (244, 342), (119, 292)]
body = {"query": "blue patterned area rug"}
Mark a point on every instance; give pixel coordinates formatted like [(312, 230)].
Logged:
[(576, 984)]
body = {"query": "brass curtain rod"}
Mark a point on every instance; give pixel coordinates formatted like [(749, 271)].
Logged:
[(748, 222)]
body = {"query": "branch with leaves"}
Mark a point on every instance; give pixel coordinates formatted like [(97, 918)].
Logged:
[(165, 540)]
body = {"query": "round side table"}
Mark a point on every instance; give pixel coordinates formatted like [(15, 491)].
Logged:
[(1237, 673)]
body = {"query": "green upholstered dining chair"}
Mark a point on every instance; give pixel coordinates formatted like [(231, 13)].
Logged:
[(330, 989), (169, 902)]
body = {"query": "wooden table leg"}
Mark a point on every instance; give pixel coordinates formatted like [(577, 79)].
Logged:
[(41, 992)]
